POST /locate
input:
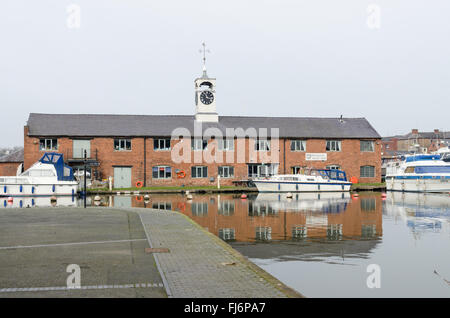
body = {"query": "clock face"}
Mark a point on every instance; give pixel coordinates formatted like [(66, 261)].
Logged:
[(206, 97)]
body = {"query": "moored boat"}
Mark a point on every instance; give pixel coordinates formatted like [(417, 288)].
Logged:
[(314, 180), (418, 173), (47, 177)]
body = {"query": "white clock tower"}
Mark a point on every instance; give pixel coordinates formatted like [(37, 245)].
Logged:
[(205, 96)]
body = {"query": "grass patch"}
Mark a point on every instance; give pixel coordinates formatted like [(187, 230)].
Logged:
[(375, 184), (165, 188)]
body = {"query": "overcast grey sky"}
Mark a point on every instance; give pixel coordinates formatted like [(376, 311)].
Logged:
[(271, 58)]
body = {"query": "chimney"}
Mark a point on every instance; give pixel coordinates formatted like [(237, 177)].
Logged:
[(415, 131)]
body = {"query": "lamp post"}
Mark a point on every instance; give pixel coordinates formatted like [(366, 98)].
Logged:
[(85, 175)]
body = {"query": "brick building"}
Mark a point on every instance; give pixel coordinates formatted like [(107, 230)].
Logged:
[(415, 142), (132, 148), (10, 164)]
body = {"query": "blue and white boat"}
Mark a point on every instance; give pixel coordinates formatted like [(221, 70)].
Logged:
[(418, 173), (313, 180), (47, 177)]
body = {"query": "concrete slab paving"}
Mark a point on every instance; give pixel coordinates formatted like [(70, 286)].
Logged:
[(37, 245), (201, 265)]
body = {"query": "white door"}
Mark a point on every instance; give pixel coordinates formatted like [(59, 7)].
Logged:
[(122, 177)]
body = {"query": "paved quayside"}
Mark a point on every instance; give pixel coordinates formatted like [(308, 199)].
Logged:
[(112, 248), (201, 265)]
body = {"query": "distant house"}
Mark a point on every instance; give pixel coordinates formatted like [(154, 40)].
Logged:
[(10, 163), (415, 142)]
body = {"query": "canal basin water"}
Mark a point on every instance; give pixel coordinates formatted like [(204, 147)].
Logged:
[(323, 244)]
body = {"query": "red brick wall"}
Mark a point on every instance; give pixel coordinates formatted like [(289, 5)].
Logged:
[(9, 168), (349, 158)]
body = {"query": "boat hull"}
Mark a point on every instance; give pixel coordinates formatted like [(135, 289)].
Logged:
[(35, 190), (432, 185), (279, 186)]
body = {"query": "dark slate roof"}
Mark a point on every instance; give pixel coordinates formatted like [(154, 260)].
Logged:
[(16, 156), (163, 125)]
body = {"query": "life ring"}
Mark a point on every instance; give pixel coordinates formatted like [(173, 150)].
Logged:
[(181, 206), (139, 184), (139, 198), (181, 174), (354, 180)]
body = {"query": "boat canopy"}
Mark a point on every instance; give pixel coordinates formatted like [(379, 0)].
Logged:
[(63, 171), (333, 174), (423, 157)]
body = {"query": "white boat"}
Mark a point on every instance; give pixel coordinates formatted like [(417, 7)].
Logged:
[(47, 177), (314, 180), (418, 173)]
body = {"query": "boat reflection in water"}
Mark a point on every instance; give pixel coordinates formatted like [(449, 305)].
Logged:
[(421, 212)]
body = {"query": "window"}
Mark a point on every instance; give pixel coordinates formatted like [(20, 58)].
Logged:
[(368, 230), (367, 146), (199, 172), (409, 169), (258, 170), (367, 172), (199, 144), (162, 205), (161, 144), (262, 145), (333, 145), (226, 144), (334, 232), (368, 204), (432, 169), (48, 144), (227, 234), (334, 167), (199, 208), (226, 171), (122, 144), (260, 209), (299, 232), (298, 145), (263, 233), (162, 172), (297, 169), (226, 208)]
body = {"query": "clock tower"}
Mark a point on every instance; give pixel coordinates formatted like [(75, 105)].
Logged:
[(205, 96)]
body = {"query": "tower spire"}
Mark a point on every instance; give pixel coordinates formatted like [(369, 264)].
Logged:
[(204, 50)]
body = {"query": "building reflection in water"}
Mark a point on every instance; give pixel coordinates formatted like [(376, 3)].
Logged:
[(273, 217)]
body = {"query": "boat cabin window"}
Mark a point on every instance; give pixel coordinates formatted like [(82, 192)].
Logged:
[(38, 173), (409, 170), (433, 169)]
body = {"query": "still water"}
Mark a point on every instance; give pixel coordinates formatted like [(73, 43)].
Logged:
[(322, 244)]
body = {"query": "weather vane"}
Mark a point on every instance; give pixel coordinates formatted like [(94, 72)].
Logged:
[(204, 50)]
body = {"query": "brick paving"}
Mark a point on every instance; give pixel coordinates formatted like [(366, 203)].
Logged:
[(200, 264)]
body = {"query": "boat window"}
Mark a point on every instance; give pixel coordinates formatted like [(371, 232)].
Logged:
[(409, 170), (433, 169)]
